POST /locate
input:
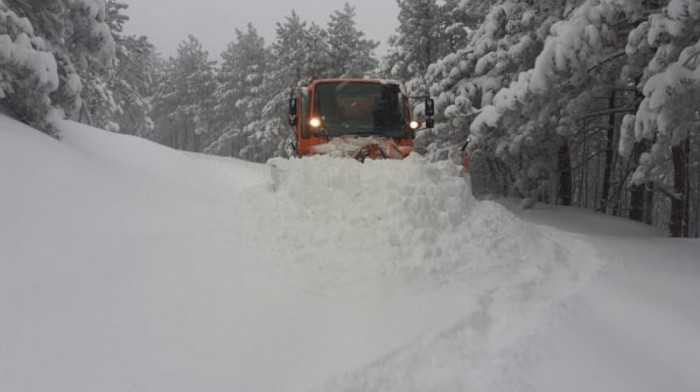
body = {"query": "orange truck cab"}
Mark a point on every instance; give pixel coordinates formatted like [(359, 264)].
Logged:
[(358, 118)]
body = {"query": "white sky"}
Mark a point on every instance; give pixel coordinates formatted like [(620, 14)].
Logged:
[(167, 22)]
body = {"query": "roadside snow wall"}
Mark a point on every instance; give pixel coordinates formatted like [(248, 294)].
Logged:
[(346, 228)]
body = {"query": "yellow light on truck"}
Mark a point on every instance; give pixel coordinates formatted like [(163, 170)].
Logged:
[(414, 125), (315, 122)]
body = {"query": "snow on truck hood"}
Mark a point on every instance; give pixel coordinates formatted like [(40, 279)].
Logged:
[(349, 146)]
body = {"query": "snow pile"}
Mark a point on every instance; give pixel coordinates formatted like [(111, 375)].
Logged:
[(347, 228), (400, 229), (153, 269)]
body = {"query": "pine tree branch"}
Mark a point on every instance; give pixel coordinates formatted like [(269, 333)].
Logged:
[(585, 161), (608, 59), (668, 193), (619, 87), (606, 112)]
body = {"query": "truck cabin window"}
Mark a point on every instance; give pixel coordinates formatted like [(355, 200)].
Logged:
[(362, 109)]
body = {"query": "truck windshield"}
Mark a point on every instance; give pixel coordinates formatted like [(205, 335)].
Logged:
[(361, 108)]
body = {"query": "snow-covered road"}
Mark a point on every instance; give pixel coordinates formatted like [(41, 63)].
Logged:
[(127, 266), (634, 328)]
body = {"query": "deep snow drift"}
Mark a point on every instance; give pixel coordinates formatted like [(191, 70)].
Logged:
[(401, 225), (128, 266)]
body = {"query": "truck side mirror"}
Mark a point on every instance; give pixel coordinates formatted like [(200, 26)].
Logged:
[(429, 107), (429, 123), (293, 119)]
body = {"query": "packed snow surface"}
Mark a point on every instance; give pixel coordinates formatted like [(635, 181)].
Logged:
[(128, 266)]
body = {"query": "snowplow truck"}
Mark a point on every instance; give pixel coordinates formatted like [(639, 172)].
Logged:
[(357, 118)]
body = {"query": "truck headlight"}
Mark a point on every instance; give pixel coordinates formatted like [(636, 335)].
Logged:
[(315, 122)]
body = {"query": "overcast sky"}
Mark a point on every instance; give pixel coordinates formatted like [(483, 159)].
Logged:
[(168, 22)]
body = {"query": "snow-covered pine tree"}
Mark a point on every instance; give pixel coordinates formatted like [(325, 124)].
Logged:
[(464, 82), (667, 118), (350, 55), (536, 117), (75, 32), (27, 72), (455, 20), (414, 45), (114, 97), (132, 85), (98, 103), (239, 94), (299, 53), (183, 102), (470, 13), (429, 31), (411, 47)]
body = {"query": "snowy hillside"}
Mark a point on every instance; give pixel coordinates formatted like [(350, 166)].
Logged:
[(128, 266)]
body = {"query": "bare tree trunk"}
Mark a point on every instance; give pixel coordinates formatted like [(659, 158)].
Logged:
[(636, 205), (686, 194), (582, 176), (174, 139), (505, 183), (564, 168), (615, 198), (185, 139), (596, 182), (197, 142), (84, 115), (636, 211), (649, 206), (609, 150), (695, 168), (493, 173), (622, 201), (678, 223), (697, 206)]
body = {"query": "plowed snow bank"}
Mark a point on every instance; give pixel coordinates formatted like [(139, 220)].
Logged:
[(348, 228)]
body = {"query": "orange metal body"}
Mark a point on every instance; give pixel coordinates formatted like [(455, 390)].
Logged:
[(312, 143)]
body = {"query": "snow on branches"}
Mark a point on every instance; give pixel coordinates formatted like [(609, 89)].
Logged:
[(466, 81), (28, 71), (670, 84), (43, 46)]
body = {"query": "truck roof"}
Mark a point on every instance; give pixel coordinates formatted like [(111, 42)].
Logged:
[(355, 80)]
